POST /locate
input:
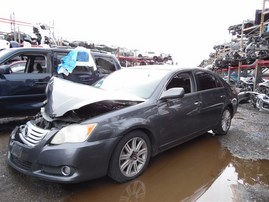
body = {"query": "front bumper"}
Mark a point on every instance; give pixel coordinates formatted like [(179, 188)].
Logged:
[(87, 160)]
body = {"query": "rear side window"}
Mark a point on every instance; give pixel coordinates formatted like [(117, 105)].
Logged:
[(206, 81), (37, 64), (105, 65)]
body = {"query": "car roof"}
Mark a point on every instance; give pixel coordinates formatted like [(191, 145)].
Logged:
[(11, 51), (60, 49), (167, 67)]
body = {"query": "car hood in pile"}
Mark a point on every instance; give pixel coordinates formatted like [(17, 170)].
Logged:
[(64, 96)]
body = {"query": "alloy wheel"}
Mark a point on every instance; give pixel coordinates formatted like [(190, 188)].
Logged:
[(133, 157), (226, 120)]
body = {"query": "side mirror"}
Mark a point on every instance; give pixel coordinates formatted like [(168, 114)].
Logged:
[(173, 93), (5, 69)]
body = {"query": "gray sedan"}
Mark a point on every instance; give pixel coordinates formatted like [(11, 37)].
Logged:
[(114, 128)]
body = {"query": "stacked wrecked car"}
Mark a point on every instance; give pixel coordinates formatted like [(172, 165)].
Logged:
[(244, 61)]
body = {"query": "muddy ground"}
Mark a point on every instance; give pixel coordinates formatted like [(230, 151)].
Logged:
[(249, 142), (250, 139), (234, 167)]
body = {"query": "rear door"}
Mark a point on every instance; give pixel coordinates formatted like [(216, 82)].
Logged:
[(22, 92), (213, 97)]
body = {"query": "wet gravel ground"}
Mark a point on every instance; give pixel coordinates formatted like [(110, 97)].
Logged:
[(250, 138), (248, 141)]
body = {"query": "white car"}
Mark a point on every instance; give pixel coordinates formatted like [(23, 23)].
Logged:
[(4, 44), (149, 55)]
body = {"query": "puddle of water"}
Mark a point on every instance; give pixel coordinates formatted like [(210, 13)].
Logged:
[(183, 173), (221, 190), (239, 172), (200, 170)]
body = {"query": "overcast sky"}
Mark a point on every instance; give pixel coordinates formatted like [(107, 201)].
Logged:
[(186, 29)]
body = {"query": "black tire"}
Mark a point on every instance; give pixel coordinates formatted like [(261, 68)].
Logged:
[(127, 165), (225, 123)]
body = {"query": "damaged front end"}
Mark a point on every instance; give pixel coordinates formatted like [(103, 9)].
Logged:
[(81, 114), (64, 96), (71, 103), (44, 146)]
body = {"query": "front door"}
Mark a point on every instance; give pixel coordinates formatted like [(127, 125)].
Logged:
[(22, 89), (179, 118)]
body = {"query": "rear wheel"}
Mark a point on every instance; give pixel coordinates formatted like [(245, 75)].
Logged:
[(130, 157), (224, 124)]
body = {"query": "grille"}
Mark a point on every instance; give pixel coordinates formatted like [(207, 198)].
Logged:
[(23, 164), (31, 135)]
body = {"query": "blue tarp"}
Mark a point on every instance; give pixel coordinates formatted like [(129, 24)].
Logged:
[(71, 60)]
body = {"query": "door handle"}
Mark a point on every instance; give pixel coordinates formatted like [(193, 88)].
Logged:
[(197, 102)]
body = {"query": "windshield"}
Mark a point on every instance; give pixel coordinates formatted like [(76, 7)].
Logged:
[(137, 81), (5, 51)]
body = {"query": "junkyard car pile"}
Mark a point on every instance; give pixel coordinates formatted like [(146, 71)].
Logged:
[(247, 46), (248, 49), (114, 127), (258, 98)]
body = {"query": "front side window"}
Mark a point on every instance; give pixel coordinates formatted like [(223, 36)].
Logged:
[(206, 81), (26, 63), (181, 80)]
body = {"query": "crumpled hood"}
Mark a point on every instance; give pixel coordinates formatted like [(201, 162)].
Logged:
[(64, 95)]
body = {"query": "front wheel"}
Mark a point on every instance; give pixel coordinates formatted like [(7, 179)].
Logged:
[(130, 157), (224, 124)]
